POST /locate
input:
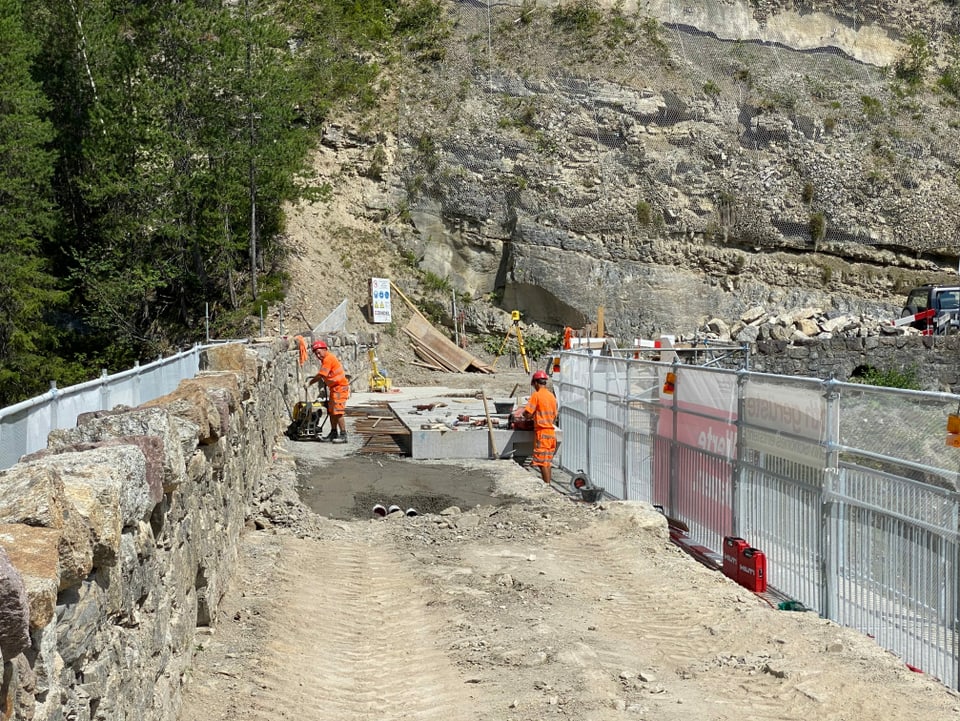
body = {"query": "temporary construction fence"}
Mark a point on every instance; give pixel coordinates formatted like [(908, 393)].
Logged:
[(848, 489), (24, 427)]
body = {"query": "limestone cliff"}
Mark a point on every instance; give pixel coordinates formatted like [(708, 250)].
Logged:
[(677, 161)]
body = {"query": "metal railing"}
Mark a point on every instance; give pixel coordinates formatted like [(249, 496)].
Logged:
[(24, 427), (849, 490)]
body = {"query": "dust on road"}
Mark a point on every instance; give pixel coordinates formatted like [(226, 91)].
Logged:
[(539, 608)]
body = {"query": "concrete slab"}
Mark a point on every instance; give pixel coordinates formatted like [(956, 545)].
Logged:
[(451, 426)]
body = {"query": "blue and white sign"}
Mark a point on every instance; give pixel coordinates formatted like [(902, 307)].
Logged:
[(380, 300)]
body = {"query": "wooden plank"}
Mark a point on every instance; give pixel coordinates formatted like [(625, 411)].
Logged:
[(440, 345)]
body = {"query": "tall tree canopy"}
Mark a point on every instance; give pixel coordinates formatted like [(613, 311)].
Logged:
[(146, 152), (28, 217)]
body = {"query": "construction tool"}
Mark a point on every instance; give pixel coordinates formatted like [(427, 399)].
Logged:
[(514, 329), (379, 380), (307, 418), (486, 412)]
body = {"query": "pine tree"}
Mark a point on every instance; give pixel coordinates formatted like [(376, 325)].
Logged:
[(28, 293)]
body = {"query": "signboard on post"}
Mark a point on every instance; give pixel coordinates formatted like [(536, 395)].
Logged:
[(380, 300)]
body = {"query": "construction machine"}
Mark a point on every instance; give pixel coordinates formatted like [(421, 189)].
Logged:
[(307, 418), (379, 379)]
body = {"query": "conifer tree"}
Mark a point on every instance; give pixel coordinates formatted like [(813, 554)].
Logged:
[(28, 293)]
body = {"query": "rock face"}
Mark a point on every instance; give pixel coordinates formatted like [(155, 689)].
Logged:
[(676, 162), (117, 541)]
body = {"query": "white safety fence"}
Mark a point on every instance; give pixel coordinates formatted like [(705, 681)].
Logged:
[(24, 427), (848, 489)]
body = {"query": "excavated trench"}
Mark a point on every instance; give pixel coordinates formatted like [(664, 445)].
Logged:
[(349, 487)]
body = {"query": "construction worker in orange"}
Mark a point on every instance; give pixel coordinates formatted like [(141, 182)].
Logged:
[(542, 408), (338, 390)]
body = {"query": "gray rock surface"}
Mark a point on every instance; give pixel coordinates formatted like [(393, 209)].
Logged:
[(680, 161)]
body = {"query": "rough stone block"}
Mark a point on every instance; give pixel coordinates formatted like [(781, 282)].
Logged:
[(14, 608), (177, 436), (34, 553)]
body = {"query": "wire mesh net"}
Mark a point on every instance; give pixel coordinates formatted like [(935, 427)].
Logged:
[(623, 108)]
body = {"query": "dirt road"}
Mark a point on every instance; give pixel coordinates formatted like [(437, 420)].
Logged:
[(541, 608)]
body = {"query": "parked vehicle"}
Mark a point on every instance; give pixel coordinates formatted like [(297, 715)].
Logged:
[(943, 300)]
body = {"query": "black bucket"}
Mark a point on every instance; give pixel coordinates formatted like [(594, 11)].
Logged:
[(591, 494)]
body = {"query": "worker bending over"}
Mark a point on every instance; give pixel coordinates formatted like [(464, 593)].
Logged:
[(542, 408), (338, 390)]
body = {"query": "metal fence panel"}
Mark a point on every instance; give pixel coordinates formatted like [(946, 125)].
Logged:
[(894, 561), (850, 491), (25, 426)]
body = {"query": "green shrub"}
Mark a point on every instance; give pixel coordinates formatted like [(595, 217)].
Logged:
[(872, 108), (818, 227), (580, 16), (911, 66), (907, 378), (432, 281), (644, 212)]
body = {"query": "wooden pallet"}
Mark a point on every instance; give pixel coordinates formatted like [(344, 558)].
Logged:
[(381, 429)]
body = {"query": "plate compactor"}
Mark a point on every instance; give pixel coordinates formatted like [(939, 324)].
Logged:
[(308, 419)]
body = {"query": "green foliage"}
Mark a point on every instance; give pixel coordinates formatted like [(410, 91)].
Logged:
[(432, 281), (872, 108), (949, 78), (710, 89), (621, 29), (546, 145), (818, 227), (521, 115), (907, 378), (913, 64), (807, 193), (424, 28), (528, 11), (336, 43), (644, 212), (378, 163), (28, 292), (538, 346), (580, 16), (434, 310), (653, 31)]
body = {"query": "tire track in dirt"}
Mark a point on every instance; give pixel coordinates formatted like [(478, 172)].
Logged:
[(644, 612), (353, 639)]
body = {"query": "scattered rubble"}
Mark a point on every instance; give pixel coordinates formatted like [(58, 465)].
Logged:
[(798, 326)]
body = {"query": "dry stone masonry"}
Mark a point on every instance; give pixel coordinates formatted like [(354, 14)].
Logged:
[(117, 541)]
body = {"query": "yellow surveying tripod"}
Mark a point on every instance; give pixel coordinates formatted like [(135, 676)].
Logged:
[(514, 328)]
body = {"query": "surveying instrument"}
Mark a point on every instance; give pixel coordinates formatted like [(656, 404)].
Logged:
[(514, 329)]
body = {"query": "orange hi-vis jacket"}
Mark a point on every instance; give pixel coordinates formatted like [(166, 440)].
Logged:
[(331, 372), (543, 407)]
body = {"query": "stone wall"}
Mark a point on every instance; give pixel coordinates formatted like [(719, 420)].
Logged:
[(119, 539), (934, 359)]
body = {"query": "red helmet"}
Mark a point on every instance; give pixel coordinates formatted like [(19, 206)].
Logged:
[(539, 376), (319, 345)]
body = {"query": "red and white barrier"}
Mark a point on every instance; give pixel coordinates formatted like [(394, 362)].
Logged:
[(924, 315)]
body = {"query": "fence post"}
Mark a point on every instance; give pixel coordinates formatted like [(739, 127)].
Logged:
[(625, 428), (104, 390), (738, 464), (135, 391), (828, 580), (674, 444), (590, 384)]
